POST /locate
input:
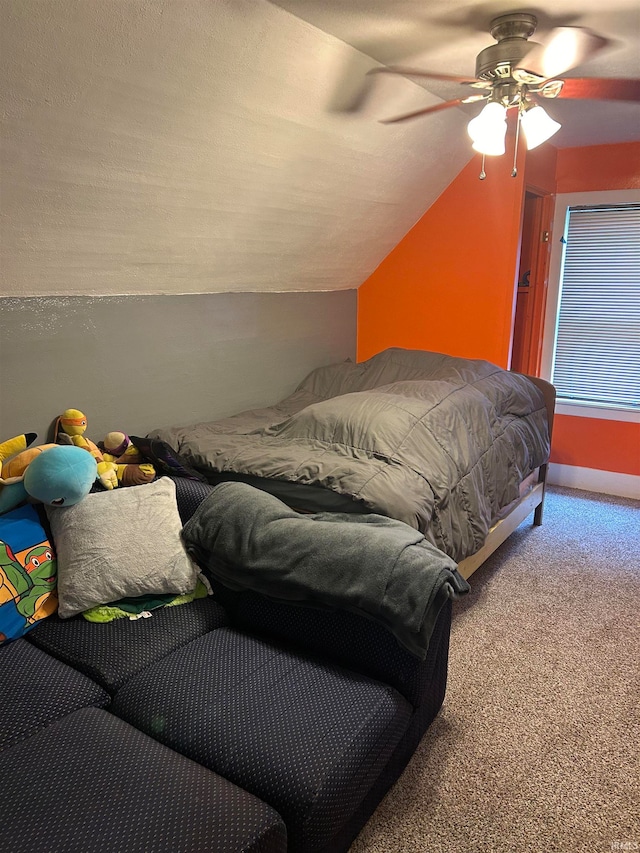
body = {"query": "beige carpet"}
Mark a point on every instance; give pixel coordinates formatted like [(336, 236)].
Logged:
[(536, 747)]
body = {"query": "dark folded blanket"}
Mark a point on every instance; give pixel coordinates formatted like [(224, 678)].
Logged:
[(369, 564)]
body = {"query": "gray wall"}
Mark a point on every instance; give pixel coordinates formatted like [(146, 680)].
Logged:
[(135, 363)]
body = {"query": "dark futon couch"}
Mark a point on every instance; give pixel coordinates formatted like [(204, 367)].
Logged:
[(231, 723)]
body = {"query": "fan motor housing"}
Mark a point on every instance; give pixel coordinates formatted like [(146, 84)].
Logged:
[(512, 33)]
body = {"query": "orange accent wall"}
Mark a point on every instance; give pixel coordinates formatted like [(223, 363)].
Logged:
[(449, 285), (589, 442), (593, 443), (541, 165), (598, 168)]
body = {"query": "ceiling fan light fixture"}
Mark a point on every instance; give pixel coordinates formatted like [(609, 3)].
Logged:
[(537, 126), (488, 130), (491, 147), (518, 74)]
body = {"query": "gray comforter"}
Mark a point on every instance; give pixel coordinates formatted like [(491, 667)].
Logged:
[(369, 564), (438, 442)]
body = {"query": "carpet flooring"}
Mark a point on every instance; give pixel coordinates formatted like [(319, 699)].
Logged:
[(537, 745)]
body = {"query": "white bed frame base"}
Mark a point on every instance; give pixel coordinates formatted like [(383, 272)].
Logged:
[(503, 529)]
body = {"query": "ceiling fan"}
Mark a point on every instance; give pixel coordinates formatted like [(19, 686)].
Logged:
[(517, 74)]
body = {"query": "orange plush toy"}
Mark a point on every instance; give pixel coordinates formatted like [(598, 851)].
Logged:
[(133, 469), (70, 429)]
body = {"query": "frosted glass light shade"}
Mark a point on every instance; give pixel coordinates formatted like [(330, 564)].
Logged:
[(491, 146), (538, 126), (488, 130)]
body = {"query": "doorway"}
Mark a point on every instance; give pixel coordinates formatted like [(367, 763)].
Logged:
[(533, 274)]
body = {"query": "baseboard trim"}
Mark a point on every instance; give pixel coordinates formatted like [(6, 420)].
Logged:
[(593, 480)]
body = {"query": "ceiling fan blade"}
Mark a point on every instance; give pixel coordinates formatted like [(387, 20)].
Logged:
[(414, 72), (444, 105), (599, 89), (564, 48)]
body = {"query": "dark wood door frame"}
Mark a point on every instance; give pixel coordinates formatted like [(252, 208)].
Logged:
[(528, 327)]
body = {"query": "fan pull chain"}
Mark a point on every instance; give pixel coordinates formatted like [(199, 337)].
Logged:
[(482, 174), (514, 171)]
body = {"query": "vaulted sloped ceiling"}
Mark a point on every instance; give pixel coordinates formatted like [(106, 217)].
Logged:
[(446, 36), (191, 146)]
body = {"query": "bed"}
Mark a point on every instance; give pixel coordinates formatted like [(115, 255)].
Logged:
[(456, 448)]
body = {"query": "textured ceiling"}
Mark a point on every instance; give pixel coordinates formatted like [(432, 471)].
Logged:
[(446, 36), (189, 146)]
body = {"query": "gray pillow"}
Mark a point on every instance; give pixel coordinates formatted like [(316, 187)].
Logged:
[(118, 544)]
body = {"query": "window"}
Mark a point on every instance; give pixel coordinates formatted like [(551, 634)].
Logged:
[(595, 357)]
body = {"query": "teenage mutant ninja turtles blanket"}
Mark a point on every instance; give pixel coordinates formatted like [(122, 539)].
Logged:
[(27, 573)]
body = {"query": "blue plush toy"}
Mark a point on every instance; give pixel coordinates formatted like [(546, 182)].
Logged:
[(61, 476), (54, 474)]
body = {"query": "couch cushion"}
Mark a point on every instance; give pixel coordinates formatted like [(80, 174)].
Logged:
[(305, 736), (90, 782), (111, 653), (346, 638), (35, 690)]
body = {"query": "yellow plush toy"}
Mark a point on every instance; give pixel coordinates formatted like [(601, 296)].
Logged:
[(132, 468), (70, 429)]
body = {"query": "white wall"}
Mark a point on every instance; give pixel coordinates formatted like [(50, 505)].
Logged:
[(193, 146)]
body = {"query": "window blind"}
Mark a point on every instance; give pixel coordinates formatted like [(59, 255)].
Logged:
[(597, 352)]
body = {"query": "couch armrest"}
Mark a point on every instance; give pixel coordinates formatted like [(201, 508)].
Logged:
[(343, 637)]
